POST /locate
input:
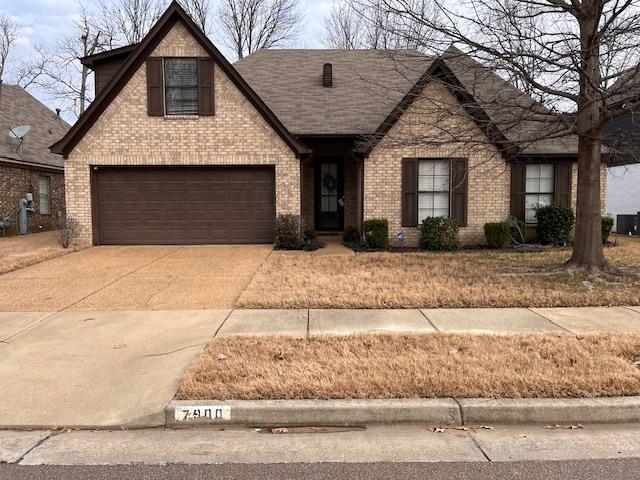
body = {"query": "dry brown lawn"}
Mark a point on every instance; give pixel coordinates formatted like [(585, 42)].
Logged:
[(24, 250), (412, 366), (482, 278)]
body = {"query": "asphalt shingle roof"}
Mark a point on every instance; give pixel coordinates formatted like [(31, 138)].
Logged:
[(18, 107), (367, 85)]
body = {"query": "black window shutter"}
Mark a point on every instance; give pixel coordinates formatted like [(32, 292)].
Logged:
[(155, 87), (409, 192), (563, 184), (459, 190), (205, 87), (518, 189)]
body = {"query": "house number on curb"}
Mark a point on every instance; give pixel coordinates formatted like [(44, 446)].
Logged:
[(213, 412)]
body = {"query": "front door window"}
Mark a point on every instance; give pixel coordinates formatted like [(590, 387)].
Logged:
[(329, 202), (329, 187)]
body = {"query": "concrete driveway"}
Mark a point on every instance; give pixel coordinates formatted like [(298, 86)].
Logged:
[(103, 336), (96, 369), (134, 278)]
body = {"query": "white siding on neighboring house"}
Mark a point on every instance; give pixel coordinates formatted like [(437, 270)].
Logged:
[(623, 190)]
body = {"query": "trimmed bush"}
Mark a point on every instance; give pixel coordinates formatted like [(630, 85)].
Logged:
[(311, 241), (376, 233), (607, 226), (554, 224), (497, 234), (288, 234), (439, 234), (351, 235)]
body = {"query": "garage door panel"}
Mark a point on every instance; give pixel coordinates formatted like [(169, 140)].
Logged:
[(177, 205)]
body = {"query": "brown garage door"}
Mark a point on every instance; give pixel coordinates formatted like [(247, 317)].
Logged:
[(183, 205)]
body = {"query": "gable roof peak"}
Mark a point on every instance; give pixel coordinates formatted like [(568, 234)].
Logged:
[(172, 15)]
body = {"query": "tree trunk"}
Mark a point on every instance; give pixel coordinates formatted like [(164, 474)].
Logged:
[(587, 250), (83, 89), (588, 253)]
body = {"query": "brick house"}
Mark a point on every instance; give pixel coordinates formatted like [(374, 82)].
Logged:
[(180, 146), (29, 166)]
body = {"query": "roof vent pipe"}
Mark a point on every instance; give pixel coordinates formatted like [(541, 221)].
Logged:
[(327, 75)]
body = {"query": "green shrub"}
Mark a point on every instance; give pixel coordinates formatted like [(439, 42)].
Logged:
[(376, 232), (311, 241), (554, 224), (497, 234), (607, 226), (288, 234), (351, 235), (440, 234)]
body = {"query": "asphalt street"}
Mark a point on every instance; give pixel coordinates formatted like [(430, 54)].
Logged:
[(619, 469)]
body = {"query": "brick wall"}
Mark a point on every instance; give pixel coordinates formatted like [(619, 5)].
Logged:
[(15, 182), (433, 116), (126, 135)]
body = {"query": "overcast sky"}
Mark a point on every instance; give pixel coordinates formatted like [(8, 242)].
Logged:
[(45, 21)]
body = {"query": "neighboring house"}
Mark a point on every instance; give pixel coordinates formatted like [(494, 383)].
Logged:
[(623, 174), (30, 167), (181, 147)]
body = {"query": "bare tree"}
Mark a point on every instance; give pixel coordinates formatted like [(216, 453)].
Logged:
[(344, 28), (130, 20), (9, 33), (356, 25), (57, 70), (567, 54), (200, 12), (248, 25)]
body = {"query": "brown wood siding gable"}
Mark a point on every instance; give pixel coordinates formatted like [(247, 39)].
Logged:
[(518, 189), (155, 87), (562, 184), (205, 87), (409, 192), (459, 190), (104, 72)]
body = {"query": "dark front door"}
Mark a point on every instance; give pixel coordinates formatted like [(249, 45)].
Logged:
[(329, 190)]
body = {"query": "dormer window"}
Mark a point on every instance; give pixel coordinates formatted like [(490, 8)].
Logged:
[(181, 86)]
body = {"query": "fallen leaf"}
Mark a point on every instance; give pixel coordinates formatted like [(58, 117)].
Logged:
[(486, 428), (279, 430), (575, 427), (552, 427), (221, 356), (437, 430)]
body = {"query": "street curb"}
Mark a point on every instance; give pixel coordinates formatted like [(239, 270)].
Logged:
[(334, 413), (445, 411), (551, 410)]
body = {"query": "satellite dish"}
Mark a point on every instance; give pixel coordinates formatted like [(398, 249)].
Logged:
[(19, 132)]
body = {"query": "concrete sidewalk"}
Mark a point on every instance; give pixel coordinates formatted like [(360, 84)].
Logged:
[(302, 322), (121, 368)]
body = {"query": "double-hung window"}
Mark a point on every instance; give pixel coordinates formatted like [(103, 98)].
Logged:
[(539, 188), (181, 86), (44, 196), (434, 188)]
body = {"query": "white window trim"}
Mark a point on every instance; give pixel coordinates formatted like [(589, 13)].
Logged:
[(47, 195), (527, 193), (449, 187)]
